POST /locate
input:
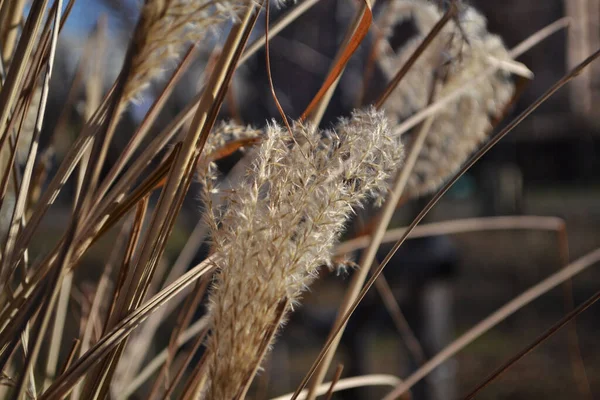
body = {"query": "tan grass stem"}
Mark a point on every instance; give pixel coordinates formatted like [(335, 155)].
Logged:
[(495, 318)]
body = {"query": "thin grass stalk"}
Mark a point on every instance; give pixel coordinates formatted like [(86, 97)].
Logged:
[(97, 385), (334, 381), (538, 341), (64, 383), (195, 384), (25, 346), (94, 314), (57, 330), (188, 358), (183, 320), (192, 331), (22, 196), (17, 70), (406, 332), (12, 16), (367, 257), (498, 316), (517, 222), (21, 111), (563, 81), (70, 356), (362, 14), (50, 297), (349, 383)]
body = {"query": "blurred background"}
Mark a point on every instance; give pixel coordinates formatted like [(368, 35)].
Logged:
[(548, 166)]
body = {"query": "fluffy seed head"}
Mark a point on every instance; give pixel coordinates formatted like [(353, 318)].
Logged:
[(280, 225), (464, 50), (165, 26)]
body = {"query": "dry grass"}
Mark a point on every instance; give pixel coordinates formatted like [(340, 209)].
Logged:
[(271, 223)]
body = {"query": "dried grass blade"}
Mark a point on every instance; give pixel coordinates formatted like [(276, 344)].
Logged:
[(539, 340), (184, 365), (186, 314), (518, 222), (356, 34), (22, 57), (408, 336), (492, 320), (193, 330), (100, 376), (93, 317), (10, 21), (334, 381), (349, 383), (149, 119), (64, 383)]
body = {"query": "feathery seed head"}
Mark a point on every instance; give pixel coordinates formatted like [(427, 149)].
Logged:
[(164, 27), (279, 226), (460, 127)]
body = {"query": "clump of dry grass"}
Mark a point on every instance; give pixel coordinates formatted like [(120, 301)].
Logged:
[(464, 49), (272, 227), (280, 225)]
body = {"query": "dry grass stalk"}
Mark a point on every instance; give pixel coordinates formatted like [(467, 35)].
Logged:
[(495, 318), (280, 225)]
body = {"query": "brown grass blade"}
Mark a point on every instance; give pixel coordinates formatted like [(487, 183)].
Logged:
[(406, 332), (21, 59), (355, 35), (184, 365), (518, 222), (538, 341), (149, 119), (10, 21), (100, 376), (492, 320), (191, 332), (65, 382), (334, 381), (350, 383)]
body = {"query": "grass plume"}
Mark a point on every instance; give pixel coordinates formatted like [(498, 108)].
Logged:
[(461, 51), (280, 225)]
